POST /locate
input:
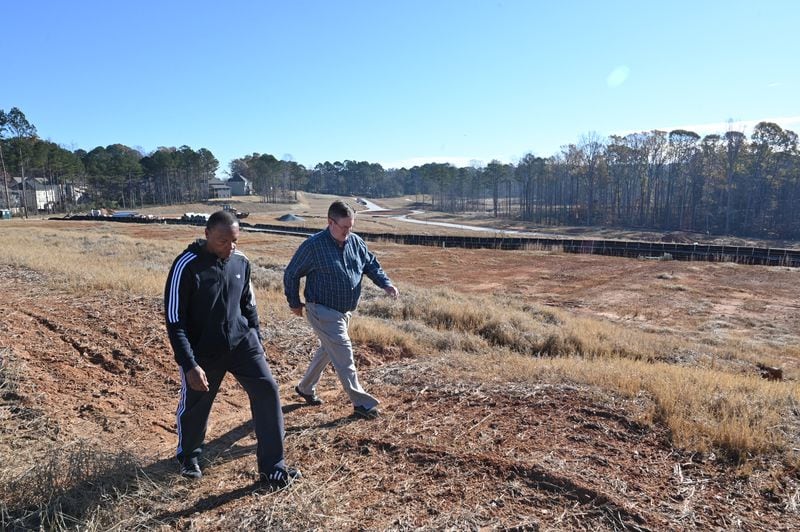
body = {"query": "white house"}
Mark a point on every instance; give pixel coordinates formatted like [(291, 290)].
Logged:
[(240, 185), (43, 196), (39, 195), (218, 189)]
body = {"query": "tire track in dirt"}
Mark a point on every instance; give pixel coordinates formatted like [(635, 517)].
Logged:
[(94, 354), (527, 455), (93, 362), (506, 455), (594, 503)]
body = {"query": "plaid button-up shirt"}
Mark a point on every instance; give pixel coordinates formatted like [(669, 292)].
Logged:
[(333, 273)]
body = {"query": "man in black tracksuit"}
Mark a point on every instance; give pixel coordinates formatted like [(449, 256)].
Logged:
[(212, 321)]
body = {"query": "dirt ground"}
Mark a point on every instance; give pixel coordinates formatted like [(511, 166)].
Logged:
[(457, 455)]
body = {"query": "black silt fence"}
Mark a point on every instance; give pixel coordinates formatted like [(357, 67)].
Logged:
[(616, 248)]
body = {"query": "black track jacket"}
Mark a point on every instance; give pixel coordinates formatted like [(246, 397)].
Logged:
[(209, 305)]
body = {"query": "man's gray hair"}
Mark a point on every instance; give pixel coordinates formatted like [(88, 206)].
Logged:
[(339, 210)]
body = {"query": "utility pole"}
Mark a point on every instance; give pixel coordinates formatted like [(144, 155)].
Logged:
[(24, 199), (5, 181)]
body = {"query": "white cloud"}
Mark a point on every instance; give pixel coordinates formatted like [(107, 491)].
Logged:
[(618, 76)]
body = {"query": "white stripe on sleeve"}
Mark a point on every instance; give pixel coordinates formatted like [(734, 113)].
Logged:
[(174, 285)]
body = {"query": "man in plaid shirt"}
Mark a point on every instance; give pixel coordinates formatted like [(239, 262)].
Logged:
[(333, 262)]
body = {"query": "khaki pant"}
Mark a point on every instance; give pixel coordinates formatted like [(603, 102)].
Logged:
[(334, 347)]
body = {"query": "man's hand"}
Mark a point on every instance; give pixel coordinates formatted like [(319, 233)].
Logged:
[(298, 311), (392, 291), (197, 380)]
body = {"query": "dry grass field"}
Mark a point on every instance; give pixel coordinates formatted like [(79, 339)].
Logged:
[(521, 390)]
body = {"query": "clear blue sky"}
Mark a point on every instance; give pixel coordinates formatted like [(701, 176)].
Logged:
[(398, 82)]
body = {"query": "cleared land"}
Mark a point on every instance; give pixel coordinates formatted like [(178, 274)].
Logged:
[(312, 208), (521, 390)]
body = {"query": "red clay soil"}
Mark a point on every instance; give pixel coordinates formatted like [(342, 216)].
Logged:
[(458, 455)]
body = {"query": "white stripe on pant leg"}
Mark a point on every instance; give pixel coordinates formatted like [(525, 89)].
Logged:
[(181, 409)]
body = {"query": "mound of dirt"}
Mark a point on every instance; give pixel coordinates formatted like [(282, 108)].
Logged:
[(290, 218), (678, 238)]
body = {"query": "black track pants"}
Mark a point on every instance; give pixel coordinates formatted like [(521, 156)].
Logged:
[(248, 364)]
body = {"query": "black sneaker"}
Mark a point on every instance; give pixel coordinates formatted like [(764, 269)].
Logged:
[(190, 468), (366, 413), (311, 399), (280, 478)]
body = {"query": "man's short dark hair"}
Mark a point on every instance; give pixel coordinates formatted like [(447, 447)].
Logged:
[(221, 218), (339, 210)]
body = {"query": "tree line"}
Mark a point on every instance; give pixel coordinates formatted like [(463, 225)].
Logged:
[(719, 183), (115, 176), (669, 181)]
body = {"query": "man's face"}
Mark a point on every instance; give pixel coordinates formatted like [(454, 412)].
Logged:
[(221, 240), (340, 228)]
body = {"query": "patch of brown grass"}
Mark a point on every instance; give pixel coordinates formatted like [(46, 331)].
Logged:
[(708, 405), (522, 328), (735, 416), (92, 259)]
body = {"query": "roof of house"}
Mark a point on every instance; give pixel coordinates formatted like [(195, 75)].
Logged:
[(30, 182)]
